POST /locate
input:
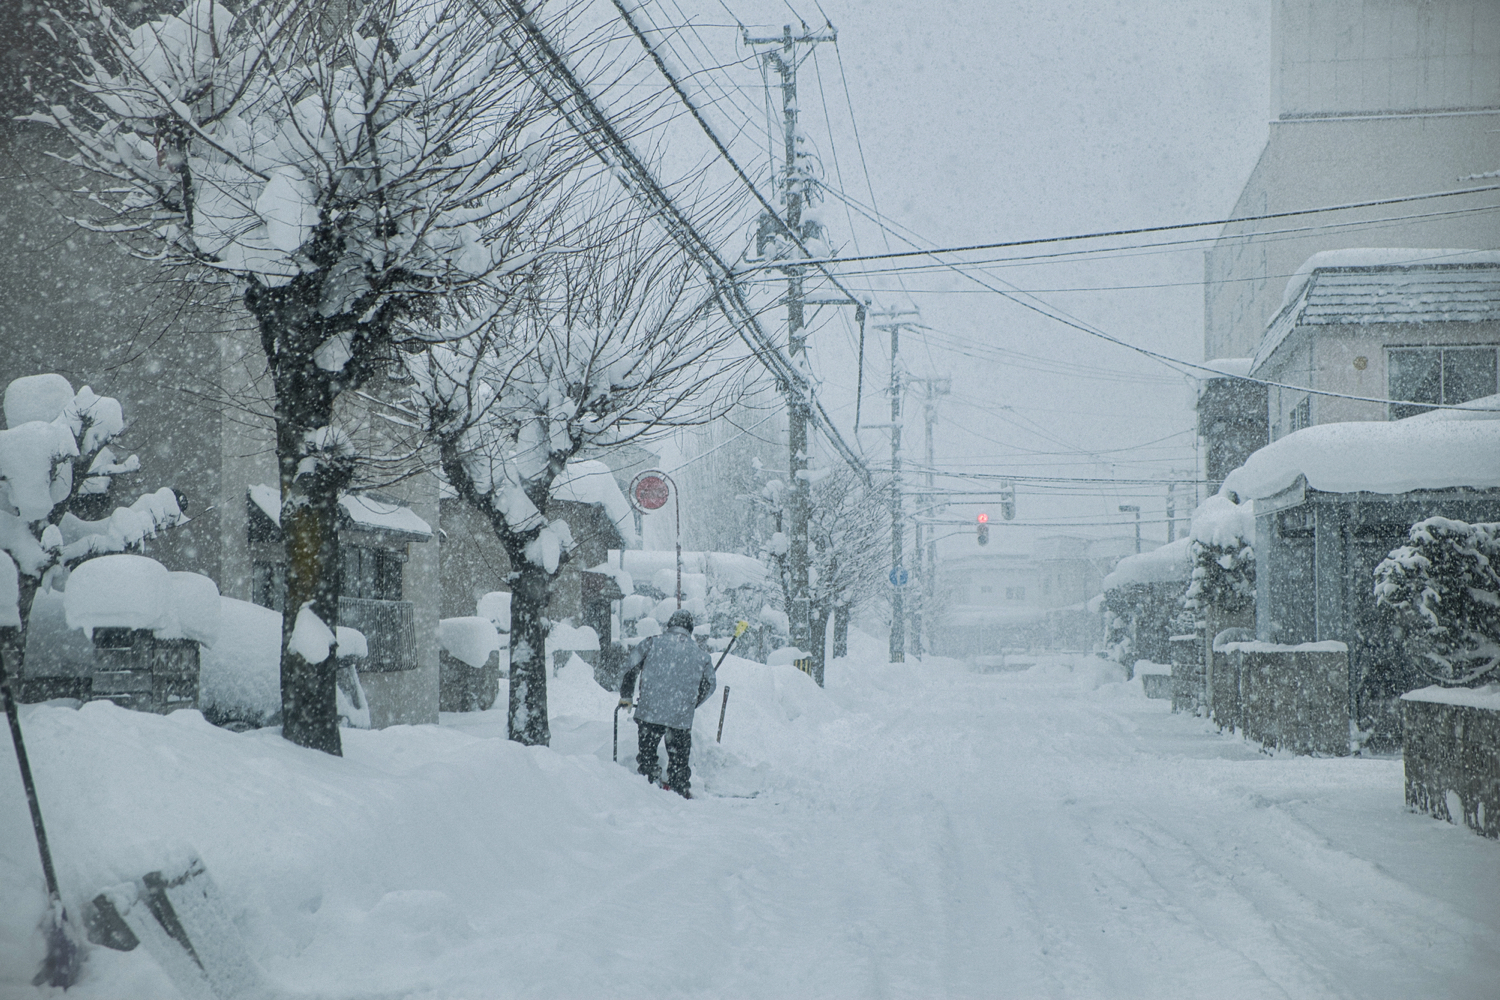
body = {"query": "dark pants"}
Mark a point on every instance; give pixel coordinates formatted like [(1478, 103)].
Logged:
[(679, 749)]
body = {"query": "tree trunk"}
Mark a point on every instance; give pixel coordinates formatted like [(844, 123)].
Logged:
[(840, 631), (313, 476), (531, 585), (818, 626)]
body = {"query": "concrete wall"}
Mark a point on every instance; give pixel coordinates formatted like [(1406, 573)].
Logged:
[(1284, 697), (1452, 759)]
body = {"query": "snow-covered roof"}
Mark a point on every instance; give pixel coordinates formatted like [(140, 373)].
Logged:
[(363, 509), (1436, 450), (1385, 285), (592, 481), (1169, 564)]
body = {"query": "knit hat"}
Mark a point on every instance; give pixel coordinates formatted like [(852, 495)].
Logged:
[(681, 618)]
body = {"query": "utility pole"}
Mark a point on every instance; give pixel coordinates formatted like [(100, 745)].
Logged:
[(932, 388), (782, 57), (1134, 508), (1171, 513), (899, 574)]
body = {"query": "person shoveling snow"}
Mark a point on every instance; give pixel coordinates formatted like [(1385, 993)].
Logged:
[(676, 677)]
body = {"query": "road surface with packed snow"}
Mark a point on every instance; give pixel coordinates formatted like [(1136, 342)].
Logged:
[(915, 831)]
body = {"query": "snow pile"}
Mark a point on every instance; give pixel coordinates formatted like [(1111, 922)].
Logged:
[(1169, 564), (496, 607), (1428, 452), (352, 643), (1487, 697), (565, 637), (593, 482), (239, 676), (311, 637), (470, 640), (785, 656), (134, 592)]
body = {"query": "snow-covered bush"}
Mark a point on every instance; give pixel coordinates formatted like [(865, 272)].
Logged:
[(355, 170), (1444, 587), (57, 467), (1223, 555)]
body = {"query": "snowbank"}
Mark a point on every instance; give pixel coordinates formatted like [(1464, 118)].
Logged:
[(1169, 564), (239, 676), (1428, 452), (470, 640), (564, 637)]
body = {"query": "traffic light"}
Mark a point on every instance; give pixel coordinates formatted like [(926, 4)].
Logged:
[(984, 529), (1008, 501)]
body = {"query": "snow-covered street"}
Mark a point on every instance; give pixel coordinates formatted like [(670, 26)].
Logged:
[(915, 831)]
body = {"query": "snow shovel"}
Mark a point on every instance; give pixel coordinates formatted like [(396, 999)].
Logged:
[(739, 630), (178, 915), (64, 950)]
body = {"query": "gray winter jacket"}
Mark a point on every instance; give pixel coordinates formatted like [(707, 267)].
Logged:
[(676, 677)]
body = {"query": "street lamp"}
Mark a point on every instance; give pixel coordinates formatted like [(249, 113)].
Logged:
[(1130, 508)]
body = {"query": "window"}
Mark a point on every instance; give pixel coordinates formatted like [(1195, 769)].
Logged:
[(1446, 375), (1302, 414), (268, 585), (372, 574)]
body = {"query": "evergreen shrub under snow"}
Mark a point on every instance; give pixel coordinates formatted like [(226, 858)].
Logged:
[(1444, 586)]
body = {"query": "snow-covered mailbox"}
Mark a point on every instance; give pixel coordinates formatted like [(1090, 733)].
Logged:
[(146, 624), (1331, 501)]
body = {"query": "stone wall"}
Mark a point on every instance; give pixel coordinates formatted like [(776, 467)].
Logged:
[(1284, 697), (1452, 756)]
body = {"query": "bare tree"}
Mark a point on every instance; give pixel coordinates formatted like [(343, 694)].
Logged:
[(353, 169), (845, 554), (611, 341)]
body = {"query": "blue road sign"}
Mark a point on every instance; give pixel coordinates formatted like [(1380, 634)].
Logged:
[(899, 576)]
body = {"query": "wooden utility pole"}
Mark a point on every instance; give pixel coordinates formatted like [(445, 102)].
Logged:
[(932, 388), (782, 56), (899, 575)]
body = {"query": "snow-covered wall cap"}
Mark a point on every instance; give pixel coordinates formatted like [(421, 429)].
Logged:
[(1171, 563), (593, 482), (1230, 367), (1481, 697), (1376, 457), (1221, 522), (127, 591), (1380, 257)]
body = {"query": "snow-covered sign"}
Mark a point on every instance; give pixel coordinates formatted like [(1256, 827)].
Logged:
[(1436, 450), (650, 491), (1172, 563)]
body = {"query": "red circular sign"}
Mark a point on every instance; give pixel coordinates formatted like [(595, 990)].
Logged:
[(650, 491)]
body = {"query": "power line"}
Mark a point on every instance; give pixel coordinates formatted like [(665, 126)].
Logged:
[(1144, 229)]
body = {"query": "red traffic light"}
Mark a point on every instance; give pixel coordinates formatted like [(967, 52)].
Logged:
[(984, 519)]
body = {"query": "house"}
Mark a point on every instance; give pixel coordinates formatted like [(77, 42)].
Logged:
[(1370, 99), (1418, 326), (1330, 502)]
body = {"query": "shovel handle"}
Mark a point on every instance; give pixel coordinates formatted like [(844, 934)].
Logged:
[(723, 706)]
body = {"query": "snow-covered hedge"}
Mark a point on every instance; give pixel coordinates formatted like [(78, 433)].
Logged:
[(1444, 587), (1223, 556)]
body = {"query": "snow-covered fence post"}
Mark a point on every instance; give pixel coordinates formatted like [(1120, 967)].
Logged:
[(1444, 587), (605, 345), (354, 170)]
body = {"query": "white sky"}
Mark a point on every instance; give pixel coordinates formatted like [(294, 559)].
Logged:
[(993, 121)]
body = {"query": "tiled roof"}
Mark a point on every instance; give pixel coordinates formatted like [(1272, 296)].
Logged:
[(1425, 293)]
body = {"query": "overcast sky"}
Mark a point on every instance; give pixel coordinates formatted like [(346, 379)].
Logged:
[(993, 121)]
